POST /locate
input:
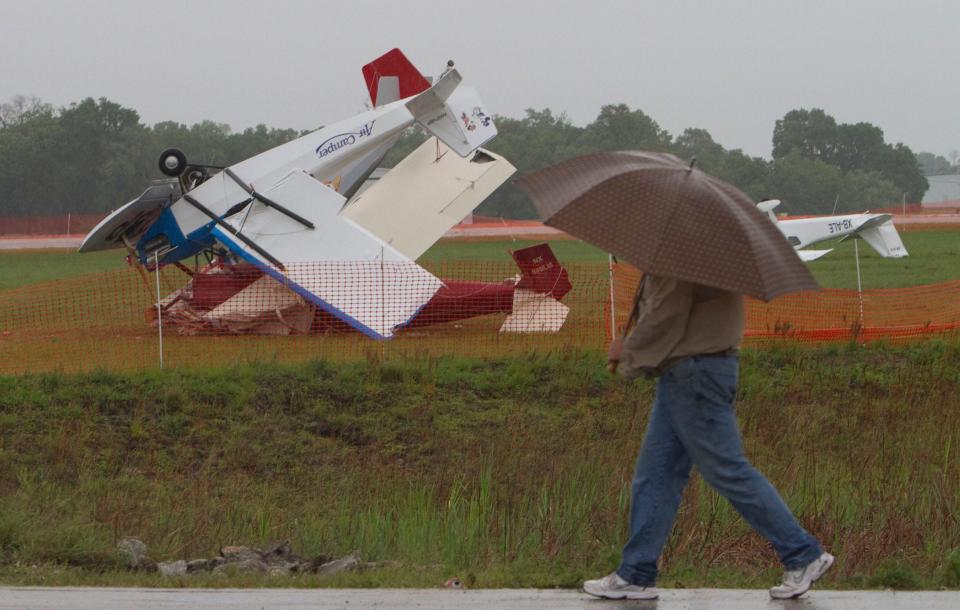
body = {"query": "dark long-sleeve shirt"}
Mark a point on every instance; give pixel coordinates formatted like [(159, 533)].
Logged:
[(677, 319)]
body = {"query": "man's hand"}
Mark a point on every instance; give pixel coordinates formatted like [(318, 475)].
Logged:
[(613, 354)]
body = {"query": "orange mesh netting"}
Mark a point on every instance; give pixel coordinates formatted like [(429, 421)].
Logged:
[(62, 224), (832, 314), (227, 315)]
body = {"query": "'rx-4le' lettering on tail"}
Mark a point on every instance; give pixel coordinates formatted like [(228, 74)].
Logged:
[(837, 227)]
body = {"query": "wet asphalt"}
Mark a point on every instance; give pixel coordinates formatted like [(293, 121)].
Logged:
[(435, 599)]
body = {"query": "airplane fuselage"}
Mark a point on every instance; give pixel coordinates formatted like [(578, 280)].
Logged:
[(340, 155), (876, 229), (803, 232)]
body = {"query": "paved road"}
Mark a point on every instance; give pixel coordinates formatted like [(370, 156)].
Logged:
[(45, 241), (437, 599), (525, 231)]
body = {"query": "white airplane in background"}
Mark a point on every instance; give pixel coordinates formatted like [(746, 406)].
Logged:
[(298, 202), (875, 229)]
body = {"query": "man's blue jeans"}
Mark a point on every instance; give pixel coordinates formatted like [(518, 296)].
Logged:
[(692, 422)]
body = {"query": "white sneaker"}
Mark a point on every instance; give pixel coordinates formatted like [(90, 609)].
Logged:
[(614, 587), (797, 582)]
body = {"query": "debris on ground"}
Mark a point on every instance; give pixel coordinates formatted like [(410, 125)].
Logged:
[(134, 553), (276, 558)]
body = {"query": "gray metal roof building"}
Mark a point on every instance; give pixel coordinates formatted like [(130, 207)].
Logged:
[(942, 188)]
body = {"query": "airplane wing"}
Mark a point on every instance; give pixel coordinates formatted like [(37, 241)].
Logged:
[(880, 234), (812, 255), (868, 223), (875, 221), (336, 265), (427, 193), (885, 240), (130, 221)]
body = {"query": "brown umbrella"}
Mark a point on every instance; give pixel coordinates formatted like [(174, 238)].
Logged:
[(656, 212)]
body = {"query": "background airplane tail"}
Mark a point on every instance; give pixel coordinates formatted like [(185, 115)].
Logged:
[(769, 206), (541, 272), (536, 297), (392, 77)]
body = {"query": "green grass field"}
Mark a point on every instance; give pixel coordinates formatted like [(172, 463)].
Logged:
[(511, 472), (25, 267), (934, 257)]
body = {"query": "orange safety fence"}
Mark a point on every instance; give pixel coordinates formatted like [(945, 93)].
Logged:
[(832, 314), (61, 224), (930, 207), (228, 315)]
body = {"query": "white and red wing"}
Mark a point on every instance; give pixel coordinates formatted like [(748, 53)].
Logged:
[(426, 194)]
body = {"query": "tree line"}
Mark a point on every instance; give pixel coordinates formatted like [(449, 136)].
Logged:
[(94, 155)]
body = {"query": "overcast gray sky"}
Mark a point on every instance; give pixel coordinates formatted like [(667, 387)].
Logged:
[(732, 67)]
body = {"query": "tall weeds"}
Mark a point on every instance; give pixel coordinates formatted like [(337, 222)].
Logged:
[(515, 471)]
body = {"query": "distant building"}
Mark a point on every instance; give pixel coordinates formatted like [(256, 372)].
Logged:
[(942, 189)]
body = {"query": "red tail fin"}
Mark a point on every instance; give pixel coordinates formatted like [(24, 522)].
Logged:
[(393, 65), (541, 271)]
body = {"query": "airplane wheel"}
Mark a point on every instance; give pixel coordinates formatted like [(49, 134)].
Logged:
[(173, 162)]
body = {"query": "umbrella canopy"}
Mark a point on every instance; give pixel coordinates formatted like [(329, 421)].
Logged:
[(654, 211)]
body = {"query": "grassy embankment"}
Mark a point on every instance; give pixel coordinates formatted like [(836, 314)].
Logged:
[(511, 472)]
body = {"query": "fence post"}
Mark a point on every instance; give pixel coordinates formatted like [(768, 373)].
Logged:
[(156, 271), (856, 253), (613, 298)]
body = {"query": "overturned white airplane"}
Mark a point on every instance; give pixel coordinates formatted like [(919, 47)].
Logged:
[(875, 229), (298, 203)]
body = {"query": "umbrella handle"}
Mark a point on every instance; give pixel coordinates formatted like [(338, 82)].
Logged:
[(631, 320)]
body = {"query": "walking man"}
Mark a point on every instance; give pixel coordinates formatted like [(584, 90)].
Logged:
[(688, 335)]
